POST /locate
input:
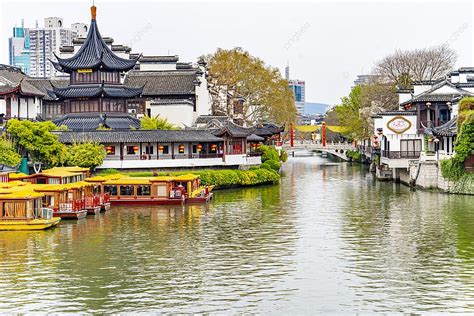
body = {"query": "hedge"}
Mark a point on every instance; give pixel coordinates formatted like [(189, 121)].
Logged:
[(221, 179)]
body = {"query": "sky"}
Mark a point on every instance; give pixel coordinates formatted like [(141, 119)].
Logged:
[(325, 43)]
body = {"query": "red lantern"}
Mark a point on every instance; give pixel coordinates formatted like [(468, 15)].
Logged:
[(135, 148), (199, 147), (181, 149), (254, 145), (258, 145), (161, 147)]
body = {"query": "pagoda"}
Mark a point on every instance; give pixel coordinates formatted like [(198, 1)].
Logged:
[(95, 84)]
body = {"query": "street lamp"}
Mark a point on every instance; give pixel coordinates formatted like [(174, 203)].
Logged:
[(436, 141)]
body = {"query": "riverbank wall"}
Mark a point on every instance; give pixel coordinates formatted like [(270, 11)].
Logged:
[(427, 175)]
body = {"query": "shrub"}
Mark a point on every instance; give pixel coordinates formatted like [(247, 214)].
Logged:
[(87, 154), (269, 153), (8, 154), (283, 156), (219, 178), (271, 164), (354, 155)]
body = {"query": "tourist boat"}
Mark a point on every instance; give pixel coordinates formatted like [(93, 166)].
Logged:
[(103, 197), (66, 200), (58, 175), (21, 209), (166, 190)]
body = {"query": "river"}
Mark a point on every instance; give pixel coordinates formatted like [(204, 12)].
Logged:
[(328, 239)]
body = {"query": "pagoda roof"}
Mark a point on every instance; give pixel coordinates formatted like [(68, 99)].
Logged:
[(96, 90), (92, 121), (94, 54)]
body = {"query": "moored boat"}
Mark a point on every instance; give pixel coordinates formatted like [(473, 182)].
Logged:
[(164, 190), (21, 209), (66, 200), (103, 197)]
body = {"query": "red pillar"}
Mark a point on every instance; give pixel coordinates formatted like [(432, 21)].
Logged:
[(323, 134)]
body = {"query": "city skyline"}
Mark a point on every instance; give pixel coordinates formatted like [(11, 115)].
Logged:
[(301, 39)]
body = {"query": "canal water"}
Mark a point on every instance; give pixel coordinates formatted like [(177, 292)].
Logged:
[(329, 239)]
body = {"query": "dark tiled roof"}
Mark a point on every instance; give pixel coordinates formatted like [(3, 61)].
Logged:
[(466, 69), (436, 98), (447, 129), (82, 40), (13, 78), (160, 83), (184, 66), (158, 59), (234, 130), (204, 119), (66, 49), (143, 136), (120, 48), (255, 138), (92, 121), (94, 53), (96, 90), (429, 96), (172, 102), (268, 129), (44, 85)]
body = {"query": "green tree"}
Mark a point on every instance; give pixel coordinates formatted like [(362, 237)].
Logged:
[(245, 88), (36, 139), (86, 154), (348, 114), (8, 155), (155, 123)]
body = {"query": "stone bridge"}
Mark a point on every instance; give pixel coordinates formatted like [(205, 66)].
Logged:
[(337, 150)]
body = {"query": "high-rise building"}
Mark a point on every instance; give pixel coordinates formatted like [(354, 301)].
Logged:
[(31, 49), (44, 43), (19, 49), (298, 88)]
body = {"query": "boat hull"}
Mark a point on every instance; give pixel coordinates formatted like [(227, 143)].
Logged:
[(71, 215), (35, 224), (93, 210), (105, 207), (148, 202), (198, 200)]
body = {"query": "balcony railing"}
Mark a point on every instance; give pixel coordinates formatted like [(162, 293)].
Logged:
[(400, 154)]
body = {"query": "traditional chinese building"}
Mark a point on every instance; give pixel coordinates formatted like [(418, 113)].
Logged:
[(423, 131), (95, 85), (18, 98)]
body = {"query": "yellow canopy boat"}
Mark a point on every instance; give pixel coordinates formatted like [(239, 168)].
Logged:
[(21, 209)]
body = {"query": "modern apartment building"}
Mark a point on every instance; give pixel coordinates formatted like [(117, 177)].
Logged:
[(31, 49), (19, 49)]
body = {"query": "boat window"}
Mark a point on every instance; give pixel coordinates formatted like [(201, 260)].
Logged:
[(126, 190), (14, 209), (111, 189), (143, 190)]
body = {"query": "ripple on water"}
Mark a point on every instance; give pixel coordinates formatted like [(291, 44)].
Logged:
[(328, 239)]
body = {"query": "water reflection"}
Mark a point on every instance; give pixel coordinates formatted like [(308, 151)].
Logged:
[(329, 238)]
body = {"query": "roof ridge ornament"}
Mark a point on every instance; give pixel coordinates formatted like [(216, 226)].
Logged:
[(93, 12)]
